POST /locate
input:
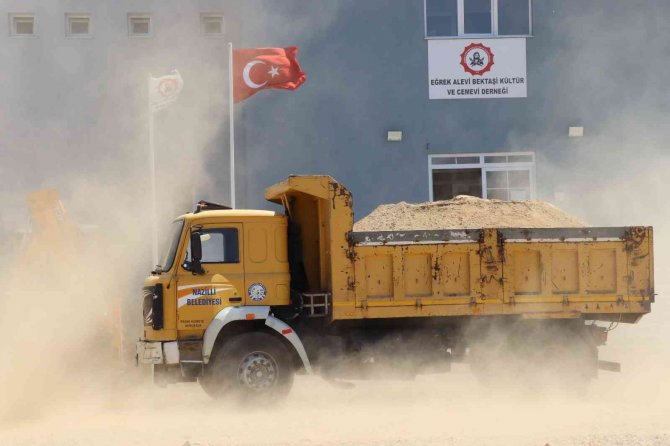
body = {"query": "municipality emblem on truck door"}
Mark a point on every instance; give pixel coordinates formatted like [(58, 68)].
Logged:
[(257, 292)]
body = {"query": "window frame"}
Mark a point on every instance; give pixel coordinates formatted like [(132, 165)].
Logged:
[(460, 11), (140, 15), (68, 29), (212, 15), (222, 231), (22, 15), (484, 167), (218, 230)]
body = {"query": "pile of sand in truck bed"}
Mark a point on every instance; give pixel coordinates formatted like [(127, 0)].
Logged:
[(466, 212)]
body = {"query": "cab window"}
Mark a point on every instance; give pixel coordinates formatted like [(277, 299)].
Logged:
[(219, 245)]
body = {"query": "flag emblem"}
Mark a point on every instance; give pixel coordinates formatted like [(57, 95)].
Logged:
[(165, 89)]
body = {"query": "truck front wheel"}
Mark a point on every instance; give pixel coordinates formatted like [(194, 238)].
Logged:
[(251, 367)]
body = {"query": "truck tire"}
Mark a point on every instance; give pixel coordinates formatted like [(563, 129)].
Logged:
[(249, 367)]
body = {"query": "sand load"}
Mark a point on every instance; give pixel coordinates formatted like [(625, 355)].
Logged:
[(464, 212)]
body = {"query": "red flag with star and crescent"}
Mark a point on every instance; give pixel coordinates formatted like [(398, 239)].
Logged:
[(259, 69)]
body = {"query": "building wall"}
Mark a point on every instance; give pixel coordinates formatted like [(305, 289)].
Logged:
[(75, 112), (367, 73), (70, 105)]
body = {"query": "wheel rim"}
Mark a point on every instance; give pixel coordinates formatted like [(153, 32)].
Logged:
[(257, 371)]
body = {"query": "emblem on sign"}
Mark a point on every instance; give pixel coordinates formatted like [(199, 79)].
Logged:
[(477, 59), (257, 292)]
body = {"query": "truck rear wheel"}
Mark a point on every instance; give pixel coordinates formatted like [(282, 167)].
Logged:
[(249, 366)]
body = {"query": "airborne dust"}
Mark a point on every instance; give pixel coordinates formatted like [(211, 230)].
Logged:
[(62, 381)]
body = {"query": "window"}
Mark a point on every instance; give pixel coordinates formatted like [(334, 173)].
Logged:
[(441, 18), (477, 17), (502, 176), (22, 25), (78, 25), (463, 18), (212, 24), (139, 25), (448, 183), (220, 245)]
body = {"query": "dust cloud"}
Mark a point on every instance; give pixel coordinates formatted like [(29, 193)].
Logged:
[(63, 381), (70, 305)]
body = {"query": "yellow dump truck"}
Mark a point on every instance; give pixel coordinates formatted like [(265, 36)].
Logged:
[(246, 298)]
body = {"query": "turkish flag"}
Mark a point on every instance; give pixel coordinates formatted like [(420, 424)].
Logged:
[(259, 69)]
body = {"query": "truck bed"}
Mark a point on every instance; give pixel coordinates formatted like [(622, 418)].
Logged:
[(601, 273), (595, 273)]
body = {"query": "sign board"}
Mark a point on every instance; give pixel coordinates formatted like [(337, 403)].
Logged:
[(477, 68)]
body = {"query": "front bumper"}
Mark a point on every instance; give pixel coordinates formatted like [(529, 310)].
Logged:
[(156, 352)]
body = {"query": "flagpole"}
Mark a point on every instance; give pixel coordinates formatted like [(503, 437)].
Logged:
[(152, 169), (232, 125)]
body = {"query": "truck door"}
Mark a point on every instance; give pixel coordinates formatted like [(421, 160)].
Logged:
[(266, 269), (201, 296)]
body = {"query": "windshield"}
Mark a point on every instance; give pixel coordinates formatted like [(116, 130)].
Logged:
[(172, 243)]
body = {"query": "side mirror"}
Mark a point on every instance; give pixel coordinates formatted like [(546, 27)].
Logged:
[(196, 253)]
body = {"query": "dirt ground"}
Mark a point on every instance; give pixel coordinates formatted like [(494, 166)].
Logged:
[(42, 406), (630, 408), (433, 410)]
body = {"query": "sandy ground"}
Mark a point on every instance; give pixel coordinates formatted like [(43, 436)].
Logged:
[(630, 408), (101, 407), (445, 409)]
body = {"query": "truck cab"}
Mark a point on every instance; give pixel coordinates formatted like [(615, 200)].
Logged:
[(243, 262), (218, 308), (240, 260)]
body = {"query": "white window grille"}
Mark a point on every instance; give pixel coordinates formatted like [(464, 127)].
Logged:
[(139, 25), (477, 18), (22, 25), (78, 25), (503, 176), (212, 25)]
